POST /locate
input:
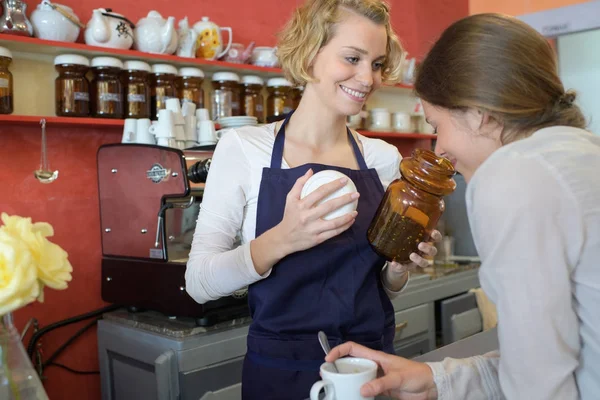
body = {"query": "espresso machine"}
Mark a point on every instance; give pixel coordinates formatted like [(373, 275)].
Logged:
[(149, 203)]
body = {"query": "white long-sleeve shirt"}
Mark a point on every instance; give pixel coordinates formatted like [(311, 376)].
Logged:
[(534, 209), (215, 268)]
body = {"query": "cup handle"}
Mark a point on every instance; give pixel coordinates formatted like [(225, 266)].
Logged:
[(221, 54), (318, 386)]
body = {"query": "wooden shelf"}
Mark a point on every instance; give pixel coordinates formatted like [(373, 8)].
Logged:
[(53, 48), (397, 135), (25, 44), (60, 121)]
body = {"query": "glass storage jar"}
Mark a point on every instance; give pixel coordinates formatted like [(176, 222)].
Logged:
[(136, 82), (71, 87), (163, 87), (278, 101), (411, 206), (228, 81), (252, 97), (106, 89), (189, 86), (295, 97), (6, 82)]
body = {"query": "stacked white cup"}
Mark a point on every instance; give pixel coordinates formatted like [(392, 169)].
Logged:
[(188, 109), (174, 106), (207, 134), (137, 131), (164, 129)]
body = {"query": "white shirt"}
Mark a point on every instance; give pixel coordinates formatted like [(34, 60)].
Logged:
[(215, 268), (534, 209)]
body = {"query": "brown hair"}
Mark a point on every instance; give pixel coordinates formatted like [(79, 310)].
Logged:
[(500, 65), (313, 25)]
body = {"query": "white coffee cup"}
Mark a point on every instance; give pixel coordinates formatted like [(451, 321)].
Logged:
[(206, 133), (345, 384), (324, 177), (401, 122), (166, 142), (165, 126), (380, 119), (202, 114), (129, 131), (188, 109), (143, 134), (191, 134)]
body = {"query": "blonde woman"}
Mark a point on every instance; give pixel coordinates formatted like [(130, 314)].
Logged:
[(306, 274), (490, 88)]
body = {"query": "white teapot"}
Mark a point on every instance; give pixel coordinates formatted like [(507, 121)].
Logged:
[(154, 34), (109, 29), (50, 22), (210, 41)]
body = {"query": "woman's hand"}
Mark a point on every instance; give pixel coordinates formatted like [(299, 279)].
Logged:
[(402, 379), (396, 270), (303, 225)]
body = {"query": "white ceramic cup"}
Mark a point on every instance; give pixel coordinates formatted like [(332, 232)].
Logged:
[(191, 134), (173, 104), (129, 131), (321, 178), (188, 109), (345, 385), (380, 119), (202, 114), (143, 134), (165, 126), (401, 122), (166, 142), (206, 133)]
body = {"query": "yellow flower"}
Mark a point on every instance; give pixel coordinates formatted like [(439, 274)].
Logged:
[(53, 266), (19, 285)]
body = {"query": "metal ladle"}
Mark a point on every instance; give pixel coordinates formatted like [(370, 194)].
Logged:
[(44, 174)]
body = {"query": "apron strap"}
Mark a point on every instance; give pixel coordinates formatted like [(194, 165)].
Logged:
[(277, 155)]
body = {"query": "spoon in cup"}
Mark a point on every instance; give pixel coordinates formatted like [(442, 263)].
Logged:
[(326, 348)]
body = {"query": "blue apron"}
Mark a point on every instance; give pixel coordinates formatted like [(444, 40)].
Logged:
[(334, 287)]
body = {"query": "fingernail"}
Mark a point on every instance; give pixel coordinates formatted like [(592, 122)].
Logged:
[(422, 246), (343, 180), (309, 171), (355, 195)]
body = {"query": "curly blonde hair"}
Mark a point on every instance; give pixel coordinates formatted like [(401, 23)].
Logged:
[(312, 26)]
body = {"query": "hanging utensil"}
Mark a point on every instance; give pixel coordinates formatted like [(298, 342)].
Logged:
[(43, 174)]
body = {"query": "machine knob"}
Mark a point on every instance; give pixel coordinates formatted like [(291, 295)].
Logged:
[(198, 172)]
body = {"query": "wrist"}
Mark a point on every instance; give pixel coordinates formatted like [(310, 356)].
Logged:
[(394, 280), (280, 246)]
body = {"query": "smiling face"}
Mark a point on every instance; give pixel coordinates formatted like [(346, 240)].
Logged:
[(348, 68), (466, 138)]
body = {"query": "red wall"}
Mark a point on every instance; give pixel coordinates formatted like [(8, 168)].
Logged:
[(71, 203)]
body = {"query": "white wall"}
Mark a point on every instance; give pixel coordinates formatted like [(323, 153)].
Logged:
[(579, 68)]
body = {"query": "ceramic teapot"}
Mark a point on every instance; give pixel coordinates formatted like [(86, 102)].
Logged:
[(210, 40), (109, 29), (154, 34), (53, 21), (188, 40)]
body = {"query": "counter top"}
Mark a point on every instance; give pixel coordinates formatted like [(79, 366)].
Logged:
[(437, 282)]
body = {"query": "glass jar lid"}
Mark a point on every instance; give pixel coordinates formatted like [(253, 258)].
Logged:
[(275, 82), (107, 62), (190, 71), (164, 69), (5, 53), (135, 65), (74, 59), (225, 76), (252, 80)]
